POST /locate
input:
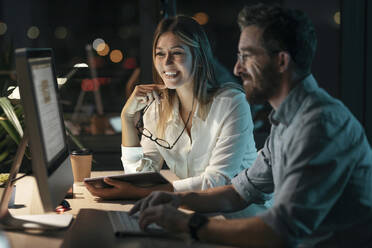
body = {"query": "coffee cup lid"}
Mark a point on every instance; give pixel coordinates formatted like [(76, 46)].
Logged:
[(84, 151)]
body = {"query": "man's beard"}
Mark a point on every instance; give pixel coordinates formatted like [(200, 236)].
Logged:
[(262, 89)]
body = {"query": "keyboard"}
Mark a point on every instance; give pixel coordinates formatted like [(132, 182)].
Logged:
[(123, 223), (95, 228)]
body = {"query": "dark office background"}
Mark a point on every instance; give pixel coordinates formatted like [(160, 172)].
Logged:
[(344, 47)]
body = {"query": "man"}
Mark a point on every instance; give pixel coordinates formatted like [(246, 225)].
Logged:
[(317, 161)]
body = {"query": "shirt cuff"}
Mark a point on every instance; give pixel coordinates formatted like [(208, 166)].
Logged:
[(131, 158), (247, 191), (131, 154), (188, 184)]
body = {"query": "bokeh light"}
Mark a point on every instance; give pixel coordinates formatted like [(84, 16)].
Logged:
[(130, 63), (116, 56), (60, 32), (15, 94), (103, 49), (337, 17), (33, 32), (61, 81), (100, 47), (98, 44), (201, 17), (81, 65), (3, 28)]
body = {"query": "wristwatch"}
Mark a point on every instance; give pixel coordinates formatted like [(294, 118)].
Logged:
[(196, 221)]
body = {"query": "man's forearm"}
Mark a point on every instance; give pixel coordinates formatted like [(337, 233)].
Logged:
[(249, 232), (219, 199), (145, 191)]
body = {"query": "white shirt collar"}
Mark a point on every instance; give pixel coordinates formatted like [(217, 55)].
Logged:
[(176, 111)]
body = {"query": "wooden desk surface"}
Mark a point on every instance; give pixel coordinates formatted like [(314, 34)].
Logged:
[(27, 201)]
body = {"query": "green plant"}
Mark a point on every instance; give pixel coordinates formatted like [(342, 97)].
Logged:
[(3, 178), (11, 129), (11, 113)]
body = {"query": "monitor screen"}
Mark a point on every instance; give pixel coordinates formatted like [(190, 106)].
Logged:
[(47, 104), (45, 128)]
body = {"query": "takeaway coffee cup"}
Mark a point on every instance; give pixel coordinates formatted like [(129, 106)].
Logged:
[(81, 162)]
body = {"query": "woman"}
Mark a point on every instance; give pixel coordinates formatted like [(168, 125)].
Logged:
[(200, 127)]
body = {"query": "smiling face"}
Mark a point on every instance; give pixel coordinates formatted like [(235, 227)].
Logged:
[(256, 68), (173, 61)]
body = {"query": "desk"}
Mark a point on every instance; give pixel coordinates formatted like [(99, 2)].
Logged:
[(27, 201)]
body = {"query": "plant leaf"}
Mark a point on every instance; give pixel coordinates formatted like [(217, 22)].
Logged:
[(12, 116), (6, 162), (4, 155), (4, 142), (74, 139), (11, 130), (3, 133)]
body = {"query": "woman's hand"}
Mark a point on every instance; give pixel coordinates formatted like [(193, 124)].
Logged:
[(141, 96), (120, 190)]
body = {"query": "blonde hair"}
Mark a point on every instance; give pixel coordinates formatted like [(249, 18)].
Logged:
[(204, 81)]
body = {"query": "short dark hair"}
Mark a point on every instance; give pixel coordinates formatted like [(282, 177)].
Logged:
[(283, 29)]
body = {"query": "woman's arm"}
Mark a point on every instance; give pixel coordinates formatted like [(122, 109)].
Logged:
[(129, 131), (145, 157), (136, 156), (124, 190), (141, 96), (133, 150)]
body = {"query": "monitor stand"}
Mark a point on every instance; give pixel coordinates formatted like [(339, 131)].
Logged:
[(26, 222)]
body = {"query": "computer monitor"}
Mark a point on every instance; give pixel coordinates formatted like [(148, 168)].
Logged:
[(45, 128)]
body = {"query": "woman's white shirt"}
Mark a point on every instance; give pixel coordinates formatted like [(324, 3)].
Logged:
[(220, 146)]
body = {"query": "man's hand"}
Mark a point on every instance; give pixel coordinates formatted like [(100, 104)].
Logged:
[(120, 190), (156, 198), (166, 216)]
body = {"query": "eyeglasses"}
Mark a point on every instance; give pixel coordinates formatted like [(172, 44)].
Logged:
[(161, 142), (243, 57)]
